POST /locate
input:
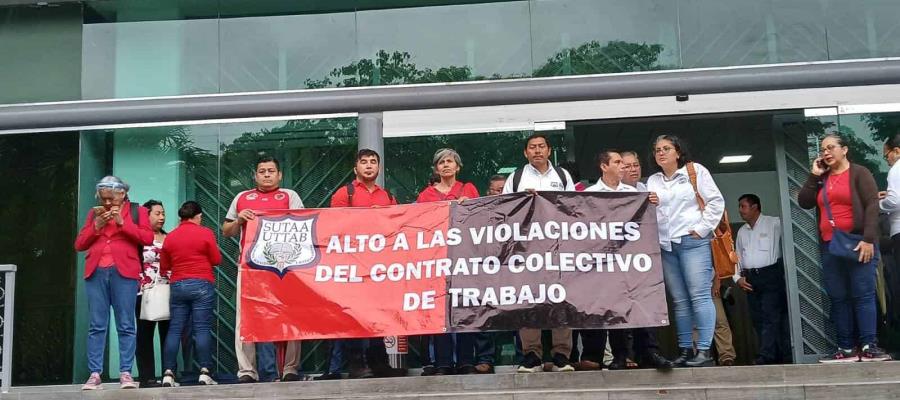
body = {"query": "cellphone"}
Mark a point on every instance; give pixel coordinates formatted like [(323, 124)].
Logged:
[(99, 209), (821, 164)]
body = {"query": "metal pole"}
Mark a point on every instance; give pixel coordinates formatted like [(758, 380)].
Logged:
[(9, 274), (371, 136)]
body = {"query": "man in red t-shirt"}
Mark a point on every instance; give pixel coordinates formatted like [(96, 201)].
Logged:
[(266, 196), (361, 192)]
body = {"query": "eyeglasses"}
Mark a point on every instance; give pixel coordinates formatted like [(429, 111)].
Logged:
[(664, 149), (830, 148)]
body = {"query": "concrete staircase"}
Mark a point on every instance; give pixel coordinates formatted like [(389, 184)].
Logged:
[(867, 381)]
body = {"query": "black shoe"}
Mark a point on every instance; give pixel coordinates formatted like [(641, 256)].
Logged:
[(531, 363), (618, 363), (361, 373), (466, 370), (428, 370), (153, 383), (328, 377), (841, 356), (444, 371), (290, 377), (654, 360), (246, 379), (561, 363), (701, 359), (683, 357), (871, 352)]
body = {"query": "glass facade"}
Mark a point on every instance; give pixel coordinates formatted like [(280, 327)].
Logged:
[(129, 49)]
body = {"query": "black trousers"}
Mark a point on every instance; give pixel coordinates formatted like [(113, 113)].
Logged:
[(144, 354), (644, 342), (768, 309), (593, 342)]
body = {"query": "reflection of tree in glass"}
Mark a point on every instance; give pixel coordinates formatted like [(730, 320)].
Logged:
[(391, 69), (596, 58), (859, 150)]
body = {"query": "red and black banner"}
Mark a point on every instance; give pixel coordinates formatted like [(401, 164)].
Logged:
[(545, 260)]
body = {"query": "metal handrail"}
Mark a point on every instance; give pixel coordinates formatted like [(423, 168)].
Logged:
[(9, 296)]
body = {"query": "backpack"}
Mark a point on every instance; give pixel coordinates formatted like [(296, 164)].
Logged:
[(517, 177), (351, 189)]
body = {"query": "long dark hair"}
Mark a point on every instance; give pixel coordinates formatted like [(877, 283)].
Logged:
[(684, 156)]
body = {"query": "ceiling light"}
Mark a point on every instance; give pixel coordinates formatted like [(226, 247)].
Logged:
[(735, 159)]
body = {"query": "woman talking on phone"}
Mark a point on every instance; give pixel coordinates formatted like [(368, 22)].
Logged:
[(847, 199)]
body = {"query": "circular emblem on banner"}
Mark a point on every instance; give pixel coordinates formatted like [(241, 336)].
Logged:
[(279, 196), (252, 196)]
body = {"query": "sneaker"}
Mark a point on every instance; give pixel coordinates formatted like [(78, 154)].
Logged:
[(205, 379), (561, 363), (169, 379), (840, 356), (126, 381), (531, 363), (93, 383), (871, 352)]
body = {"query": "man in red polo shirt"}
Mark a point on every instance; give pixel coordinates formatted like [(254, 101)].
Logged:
[(266, 196), (361, 192)]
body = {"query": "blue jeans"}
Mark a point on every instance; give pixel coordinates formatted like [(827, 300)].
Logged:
[(688, 271), (851, 287), (107, 288), (474, 348), (194, 300)]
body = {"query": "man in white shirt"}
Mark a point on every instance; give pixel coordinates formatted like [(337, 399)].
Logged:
[(760, 273), (614, 171), (632, 165), (540, 175)]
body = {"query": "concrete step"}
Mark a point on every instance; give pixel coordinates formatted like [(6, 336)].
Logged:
[(867, 381)]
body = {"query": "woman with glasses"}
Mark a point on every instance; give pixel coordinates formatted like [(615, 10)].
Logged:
[(685, 229), (847, 198)]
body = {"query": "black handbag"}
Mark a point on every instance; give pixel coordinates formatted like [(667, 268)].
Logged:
[(842, 243)]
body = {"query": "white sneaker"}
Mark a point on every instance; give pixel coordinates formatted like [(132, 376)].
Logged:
[(169, 380), (205, 379)]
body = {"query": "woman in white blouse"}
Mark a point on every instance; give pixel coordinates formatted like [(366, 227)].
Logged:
[(684, 236)]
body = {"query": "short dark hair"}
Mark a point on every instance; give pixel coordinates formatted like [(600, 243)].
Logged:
[(496, 178), (751, 199), (189, 209), (367, 153), (684, 156), (630, 153), (893, 141), (537, 135), (150, 203), (265, 159), (603, 156)]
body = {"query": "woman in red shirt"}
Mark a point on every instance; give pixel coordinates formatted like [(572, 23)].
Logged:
[(447, 165), (112, 235), (850, 283), (190, 254)]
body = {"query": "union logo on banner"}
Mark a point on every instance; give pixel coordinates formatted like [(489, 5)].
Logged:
[(283, 244)]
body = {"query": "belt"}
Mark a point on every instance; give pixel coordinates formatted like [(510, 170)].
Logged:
[(760, 270)]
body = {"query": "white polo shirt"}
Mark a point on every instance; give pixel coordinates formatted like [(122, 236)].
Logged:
[(678, 212), (602, 187), (759, 246), (534, 179), (891, 203)]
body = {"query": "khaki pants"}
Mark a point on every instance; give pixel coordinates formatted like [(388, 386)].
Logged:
[(246, 351), (723, 341), (531, 341)]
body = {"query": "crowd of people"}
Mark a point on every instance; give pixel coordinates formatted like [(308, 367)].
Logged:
[(128, 251)]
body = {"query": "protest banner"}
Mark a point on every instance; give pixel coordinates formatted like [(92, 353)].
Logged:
[(544, 260)]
